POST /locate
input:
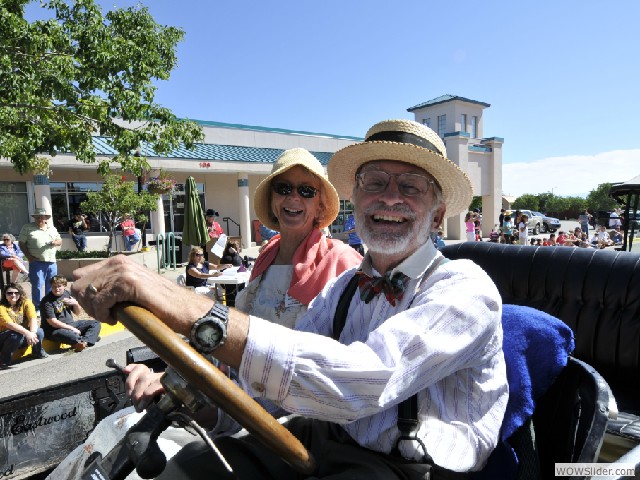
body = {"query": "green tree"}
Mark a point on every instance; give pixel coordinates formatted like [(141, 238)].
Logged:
[(476, 202), (116, 198), (527, 201), (599, 199), (80, 73)]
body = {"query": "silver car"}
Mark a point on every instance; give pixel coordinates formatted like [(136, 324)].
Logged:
[(549, 224)]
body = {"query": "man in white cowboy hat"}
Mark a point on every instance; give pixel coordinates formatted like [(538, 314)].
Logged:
[(38, 240), (381, 386)]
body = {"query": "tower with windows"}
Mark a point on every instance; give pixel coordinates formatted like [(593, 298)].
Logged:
[(458, 121)]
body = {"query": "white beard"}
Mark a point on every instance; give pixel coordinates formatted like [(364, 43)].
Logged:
[(391, 243)]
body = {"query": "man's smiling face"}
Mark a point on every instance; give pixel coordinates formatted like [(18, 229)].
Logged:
[(390, 222)]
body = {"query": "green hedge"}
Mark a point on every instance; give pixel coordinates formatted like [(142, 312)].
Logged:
[(69, 254)]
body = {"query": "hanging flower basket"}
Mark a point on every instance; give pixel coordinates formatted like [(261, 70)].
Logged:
[(162, 184), (159, 190)]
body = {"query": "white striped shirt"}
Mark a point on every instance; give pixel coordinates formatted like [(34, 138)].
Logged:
[(443, 341)]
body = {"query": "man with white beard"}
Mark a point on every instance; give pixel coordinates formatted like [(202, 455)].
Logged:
[(401, 385)]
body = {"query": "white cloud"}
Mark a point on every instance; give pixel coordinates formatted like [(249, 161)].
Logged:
[(572, 175)]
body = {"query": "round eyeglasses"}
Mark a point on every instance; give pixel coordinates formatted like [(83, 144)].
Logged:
[(284, 189), (409, 184)]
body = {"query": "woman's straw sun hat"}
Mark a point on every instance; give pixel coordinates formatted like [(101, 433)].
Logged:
[(289, 159), (405, 141)]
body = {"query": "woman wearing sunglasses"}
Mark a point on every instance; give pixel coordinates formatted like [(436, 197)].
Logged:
[(18, 325), (198, 271), (298, 201)]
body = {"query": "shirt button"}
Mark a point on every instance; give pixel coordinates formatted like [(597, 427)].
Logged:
[(258, 387)]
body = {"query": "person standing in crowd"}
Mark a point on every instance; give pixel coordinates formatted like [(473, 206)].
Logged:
[(77, 226), (130, 234), (523, 229), (12, 257), (213, 227), (18, 325), (501, 216), (507, 229), (470, 227), (407, 333), (354, 240), (39, 241), (57, 309), (584, 219)]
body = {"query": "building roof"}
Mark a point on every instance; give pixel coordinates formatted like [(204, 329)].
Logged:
[(239, 126), (443, 99), (210, 152)]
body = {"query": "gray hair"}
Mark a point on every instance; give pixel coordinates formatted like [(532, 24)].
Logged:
[(13, 239)]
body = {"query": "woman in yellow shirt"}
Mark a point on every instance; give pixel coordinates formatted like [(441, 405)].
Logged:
[(18, 325)]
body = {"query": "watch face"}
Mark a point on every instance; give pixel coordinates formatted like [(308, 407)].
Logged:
[(209, 334)]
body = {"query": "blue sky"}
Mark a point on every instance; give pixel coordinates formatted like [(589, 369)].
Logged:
[(562, 77)]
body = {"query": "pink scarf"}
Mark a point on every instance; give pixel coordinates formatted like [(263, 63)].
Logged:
[(317, 260)]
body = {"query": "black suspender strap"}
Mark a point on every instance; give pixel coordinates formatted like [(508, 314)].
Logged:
[(340, 317)]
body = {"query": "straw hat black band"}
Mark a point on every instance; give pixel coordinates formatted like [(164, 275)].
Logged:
[(403, 137)]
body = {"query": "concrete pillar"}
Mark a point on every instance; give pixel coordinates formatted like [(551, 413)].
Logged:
[(458, 152), (42, 193), (157, 218), (245, 218), (492, 198)]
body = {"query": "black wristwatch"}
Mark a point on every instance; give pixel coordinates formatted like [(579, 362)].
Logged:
[(210, 331)]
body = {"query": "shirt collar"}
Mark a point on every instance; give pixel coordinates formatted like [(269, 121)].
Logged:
[(413, 266)]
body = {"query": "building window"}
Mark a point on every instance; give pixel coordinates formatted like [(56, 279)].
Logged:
[(14, 207), (427, 122), (66, 198), (442, 124), (463, 123), (474, 127)]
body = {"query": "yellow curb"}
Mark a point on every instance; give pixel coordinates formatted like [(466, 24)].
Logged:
[(50, 345)]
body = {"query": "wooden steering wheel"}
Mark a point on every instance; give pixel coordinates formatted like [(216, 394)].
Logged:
[(200, 373)]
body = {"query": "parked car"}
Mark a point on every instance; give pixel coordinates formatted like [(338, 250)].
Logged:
[(534, 222), (549, 224)]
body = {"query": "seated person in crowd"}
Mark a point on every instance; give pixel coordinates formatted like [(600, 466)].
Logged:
[(231, 256), (18, 325), (57, 310), (12, 257), (616, 235), (77, 226), (198, 270), (603, 237), (551, 241)]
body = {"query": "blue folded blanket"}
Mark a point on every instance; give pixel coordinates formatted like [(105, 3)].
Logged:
[(536, 346)]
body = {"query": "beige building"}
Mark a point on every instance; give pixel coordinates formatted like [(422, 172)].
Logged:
[(231, 162), (458, 121)]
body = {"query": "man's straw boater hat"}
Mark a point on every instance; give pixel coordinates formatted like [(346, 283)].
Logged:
[(404, 141), (289, 159)]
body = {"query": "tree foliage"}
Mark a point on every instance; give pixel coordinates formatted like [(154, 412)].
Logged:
[(116, 198), (80, 73), (526, 201), (599, 199)]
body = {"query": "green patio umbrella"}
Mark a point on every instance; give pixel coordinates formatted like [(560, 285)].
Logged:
[(194, 231)]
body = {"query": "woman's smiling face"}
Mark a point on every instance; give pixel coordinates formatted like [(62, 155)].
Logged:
[(294, 212)]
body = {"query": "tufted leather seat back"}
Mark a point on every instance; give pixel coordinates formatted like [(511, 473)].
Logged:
[(595, 292)]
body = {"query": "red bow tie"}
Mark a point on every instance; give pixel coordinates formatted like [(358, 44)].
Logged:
[(393, 287)]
